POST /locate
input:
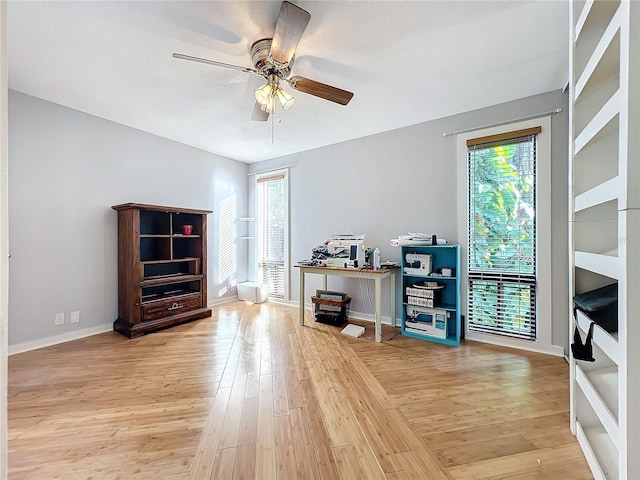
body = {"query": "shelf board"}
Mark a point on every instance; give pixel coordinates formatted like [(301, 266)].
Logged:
[(163, 280), (582, 18), (246, 219), (431, 276), (441, 306), (599, 194), (598, 56), (599, 121), (175, 235), (600, 453), (450, 340), (169, 260), (599, 263), (246, 238), (597, 386), (593, 13), (164, 296), (604, 340)]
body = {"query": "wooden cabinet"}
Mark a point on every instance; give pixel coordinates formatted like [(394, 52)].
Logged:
[(162, 267), (431, 293), (604, 227)]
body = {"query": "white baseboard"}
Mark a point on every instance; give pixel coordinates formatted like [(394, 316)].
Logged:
[(282, 301), (65, 337), (221, 301), (516, 343), (86, 332)]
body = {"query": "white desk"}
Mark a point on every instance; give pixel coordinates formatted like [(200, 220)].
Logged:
[(376, 275)]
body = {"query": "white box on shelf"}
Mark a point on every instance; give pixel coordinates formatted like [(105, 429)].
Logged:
[(252, 292)]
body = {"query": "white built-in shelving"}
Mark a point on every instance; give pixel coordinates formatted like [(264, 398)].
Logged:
[(604, 229), (246, 221)]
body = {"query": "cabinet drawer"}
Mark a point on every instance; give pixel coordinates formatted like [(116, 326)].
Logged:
[(171, 306)]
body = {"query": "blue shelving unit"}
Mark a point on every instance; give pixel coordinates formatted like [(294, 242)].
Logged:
[(441, 322)]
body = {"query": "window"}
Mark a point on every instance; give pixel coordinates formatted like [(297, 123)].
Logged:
[(543, 324), (272, 234), (502, 206)]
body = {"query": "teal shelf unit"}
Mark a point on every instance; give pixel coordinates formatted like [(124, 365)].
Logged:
[(446, 302)]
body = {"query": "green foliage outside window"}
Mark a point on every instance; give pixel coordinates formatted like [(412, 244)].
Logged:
[(502, 234)]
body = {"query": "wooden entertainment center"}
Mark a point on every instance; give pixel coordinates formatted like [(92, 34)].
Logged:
[(162, 267)]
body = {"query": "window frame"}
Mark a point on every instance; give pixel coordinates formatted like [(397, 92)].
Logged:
[(263, 178), (544, 322)]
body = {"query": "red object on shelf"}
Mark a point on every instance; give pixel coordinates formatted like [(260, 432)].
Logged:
[(187, 229)]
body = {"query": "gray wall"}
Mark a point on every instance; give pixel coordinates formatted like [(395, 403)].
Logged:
[(403, 181), (66, 170)]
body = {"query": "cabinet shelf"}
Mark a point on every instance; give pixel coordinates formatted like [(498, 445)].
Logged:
[(599, 122), (168, 279), (601, 193), (600, 389), (593, 16), (599, 451), (174, 235), (451, 340), (442, 306), (173, 260), (607, 342), (430, 276), (605, 60), (602, 264), (174, 295)]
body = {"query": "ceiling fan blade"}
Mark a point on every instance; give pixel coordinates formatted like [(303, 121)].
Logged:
[(258, 114), (292, 22), (213, 62), (321, 90)]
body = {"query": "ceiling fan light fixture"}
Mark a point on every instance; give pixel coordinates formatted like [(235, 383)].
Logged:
[(285, 99), (264, 94), (270, 106)]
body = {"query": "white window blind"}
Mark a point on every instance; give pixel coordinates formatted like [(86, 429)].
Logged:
[(502, 234), (271, 233)]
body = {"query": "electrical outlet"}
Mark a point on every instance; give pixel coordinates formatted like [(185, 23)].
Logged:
[(75, 316), (59, 320)]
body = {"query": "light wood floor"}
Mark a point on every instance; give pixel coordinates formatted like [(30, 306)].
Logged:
[(249, 394)]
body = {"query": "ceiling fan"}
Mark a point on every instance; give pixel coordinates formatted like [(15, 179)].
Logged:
[(273, 58)]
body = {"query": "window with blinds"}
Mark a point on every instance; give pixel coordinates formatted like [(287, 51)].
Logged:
[(502, 234), (271, 233)]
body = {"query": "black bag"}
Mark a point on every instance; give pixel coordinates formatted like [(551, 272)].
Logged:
[(601, 306), (583, 351)]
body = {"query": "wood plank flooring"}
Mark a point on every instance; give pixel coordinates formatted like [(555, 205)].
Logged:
[(249, 394)]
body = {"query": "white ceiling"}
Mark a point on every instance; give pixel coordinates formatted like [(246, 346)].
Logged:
[(406, 62)]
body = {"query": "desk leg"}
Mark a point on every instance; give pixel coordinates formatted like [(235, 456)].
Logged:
[(302, 297), (393, 298), (378, 293)]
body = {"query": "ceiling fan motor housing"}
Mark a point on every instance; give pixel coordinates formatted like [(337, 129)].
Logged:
[(260, 55)]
